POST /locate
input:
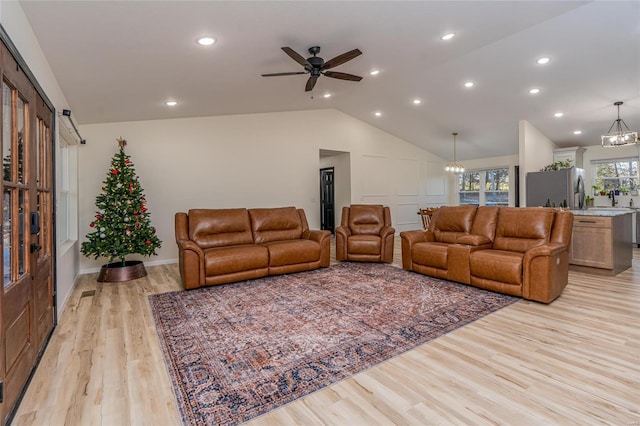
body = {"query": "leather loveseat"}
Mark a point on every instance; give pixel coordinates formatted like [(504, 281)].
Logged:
[(518, 251), (219, 246)]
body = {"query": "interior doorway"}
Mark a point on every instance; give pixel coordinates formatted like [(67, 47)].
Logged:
[(327, 199), (335, 186)]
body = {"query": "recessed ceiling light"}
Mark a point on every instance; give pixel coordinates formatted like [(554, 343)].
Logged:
[(171, 103), (374, 72), (543, 61), (534, 91), (577, 132), (377, 114), (469, 84), (417, 101), (448, 36), (206, 41), (558, 114), (327, 95)]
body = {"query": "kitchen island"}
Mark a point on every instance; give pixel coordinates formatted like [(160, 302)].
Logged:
[(601, 242)]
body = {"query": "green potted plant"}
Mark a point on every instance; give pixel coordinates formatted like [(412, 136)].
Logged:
[(588, 200), (624, 190), (598, 190)]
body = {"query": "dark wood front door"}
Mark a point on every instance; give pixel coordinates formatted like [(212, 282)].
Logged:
[(26, 299), (327, 208)]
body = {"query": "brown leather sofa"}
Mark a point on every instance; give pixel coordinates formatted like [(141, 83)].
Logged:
[(518, 251), (219, 246), (365, 234)]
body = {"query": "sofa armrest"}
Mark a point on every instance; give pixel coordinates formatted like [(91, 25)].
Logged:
[(549, 249), (385, 231), (191, 263), (408, 239), (387, 235), (474, 240), (315, 235), (546, 272), (324, 239), (342, 234)]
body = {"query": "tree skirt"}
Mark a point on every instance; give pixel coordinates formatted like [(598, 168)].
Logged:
[(239, 350)]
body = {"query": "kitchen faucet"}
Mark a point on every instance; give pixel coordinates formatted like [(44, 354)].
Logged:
[(613, 199)]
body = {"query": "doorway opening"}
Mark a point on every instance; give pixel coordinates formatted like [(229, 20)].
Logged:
[(335, 186)]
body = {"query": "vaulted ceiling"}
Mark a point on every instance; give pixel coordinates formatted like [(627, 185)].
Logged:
[(121, 60)]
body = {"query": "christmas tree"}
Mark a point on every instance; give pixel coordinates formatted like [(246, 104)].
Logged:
[(122, 223)]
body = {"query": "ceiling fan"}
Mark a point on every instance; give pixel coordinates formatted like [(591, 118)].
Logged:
[(316, 66)]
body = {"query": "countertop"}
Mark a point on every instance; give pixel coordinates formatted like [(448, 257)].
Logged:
[(605, 211)]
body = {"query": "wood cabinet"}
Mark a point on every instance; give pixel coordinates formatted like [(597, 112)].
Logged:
[(601, 244)]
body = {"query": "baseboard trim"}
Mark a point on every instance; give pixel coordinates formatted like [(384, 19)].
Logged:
[(150, 263)]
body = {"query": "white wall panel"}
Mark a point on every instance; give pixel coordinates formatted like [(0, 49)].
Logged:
[(375, 175), (407, 177)]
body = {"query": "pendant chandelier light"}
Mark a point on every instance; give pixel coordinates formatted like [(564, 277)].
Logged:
[(454, 167), (619, 136)]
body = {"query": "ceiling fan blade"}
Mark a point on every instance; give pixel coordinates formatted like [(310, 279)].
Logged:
[(297, 57), (341, 59), (343, 76), (275, 74), (310, 83)]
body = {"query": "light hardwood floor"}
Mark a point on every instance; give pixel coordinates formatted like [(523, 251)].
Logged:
[(575, 361)]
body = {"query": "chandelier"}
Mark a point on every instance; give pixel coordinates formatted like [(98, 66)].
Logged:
[(453, 166), (619, 136)]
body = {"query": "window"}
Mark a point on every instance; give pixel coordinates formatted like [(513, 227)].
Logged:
[(484, 187), (616, 174), (67, 221)]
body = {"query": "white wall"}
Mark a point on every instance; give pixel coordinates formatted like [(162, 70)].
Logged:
[(17, 27), (252, 160), (535, 152)]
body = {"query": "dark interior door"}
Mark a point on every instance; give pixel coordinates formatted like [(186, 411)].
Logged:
[(327, 209)]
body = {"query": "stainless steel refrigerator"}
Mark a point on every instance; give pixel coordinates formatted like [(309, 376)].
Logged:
[(556, 188)]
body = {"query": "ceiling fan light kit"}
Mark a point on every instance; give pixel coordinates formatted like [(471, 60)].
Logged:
[(315, 66), (619, 136)]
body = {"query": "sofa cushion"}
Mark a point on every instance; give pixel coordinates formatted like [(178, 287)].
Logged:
[(452, 222), (275, 224), (485, 222), (226, 260), (292, 252), (366, 219), (430, 254), (520, 229), (497, 265), (364, 244), (219, 227)]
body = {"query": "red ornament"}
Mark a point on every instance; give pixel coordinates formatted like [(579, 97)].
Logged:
[(148, 242), (127, 161), (144, 209), (135, 212), (114, 172), (92, 224), (98, 216), (130, 187)]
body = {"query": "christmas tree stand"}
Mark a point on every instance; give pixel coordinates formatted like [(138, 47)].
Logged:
[(117, 272)]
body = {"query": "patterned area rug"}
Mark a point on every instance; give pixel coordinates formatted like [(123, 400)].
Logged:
[(239, 350)]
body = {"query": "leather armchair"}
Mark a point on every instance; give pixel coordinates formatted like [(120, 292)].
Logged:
[(365, 234)]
